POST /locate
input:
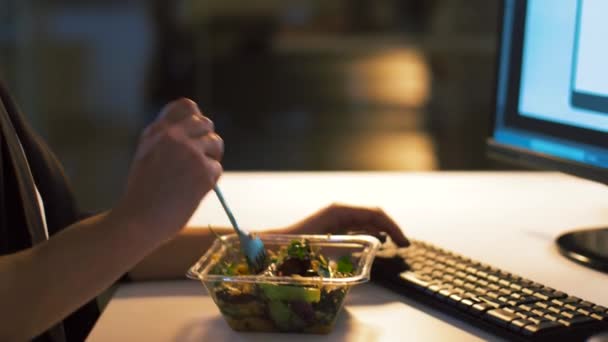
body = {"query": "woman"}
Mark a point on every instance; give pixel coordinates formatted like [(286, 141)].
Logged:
[(54, 261)]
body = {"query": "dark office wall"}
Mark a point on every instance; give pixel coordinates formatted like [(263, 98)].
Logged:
[(291, 84)]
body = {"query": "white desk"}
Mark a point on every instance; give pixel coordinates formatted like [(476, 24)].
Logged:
[(509, 220)]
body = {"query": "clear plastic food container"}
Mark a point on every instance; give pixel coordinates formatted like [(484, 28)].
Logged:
[(266, 303)]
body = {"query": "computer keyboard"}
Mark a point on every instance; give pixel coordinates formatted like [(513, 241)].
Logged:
[(499, 302)]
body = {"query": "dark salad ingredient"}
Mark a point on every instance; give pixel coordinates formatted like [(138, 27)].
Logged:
[(265, 306)]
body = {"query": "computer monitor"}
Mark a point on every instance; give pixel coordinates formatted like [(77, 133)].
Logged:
[(552, 99)]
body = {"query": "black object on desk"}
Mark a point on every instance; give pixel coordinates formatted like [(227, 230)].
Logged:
[(586, 247), (494, 300)]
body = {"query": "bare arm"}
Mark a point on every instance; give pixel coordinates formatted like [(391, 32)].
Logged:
[(41, 285), (172, 260), (176, 164)]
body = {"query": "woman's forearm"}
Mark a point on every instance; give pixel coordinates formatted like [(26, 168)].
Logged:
[(42, 285), (172, 259)]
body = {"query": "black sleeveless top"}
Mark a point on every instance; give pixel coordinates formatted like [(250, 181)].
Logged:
[(20, 220)]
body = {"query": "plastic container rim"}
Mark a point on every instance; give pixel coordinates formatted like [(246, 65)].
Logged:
[(200, 270)]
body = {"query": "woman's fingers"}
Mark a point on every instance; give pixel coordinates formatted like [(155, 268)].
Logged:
[(178, 110), (197, 126), (339, 219), (372, 220), (212, 146)]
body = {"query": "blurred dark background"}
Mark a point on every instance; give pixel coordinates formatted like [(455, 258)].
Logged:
[(290, 84)]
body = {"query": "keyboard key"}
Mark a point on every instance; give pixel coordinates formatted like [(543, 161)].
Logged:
[(415, 280), (527, 291), (586, 304), (571, 299), (518, 324), (461, 266), (515, 286), (599, 316), (491, 269), (437, 274), (493, 295), (536, 286), (599, 308), (568, 314), (454, 299), (528, 300), (417, 265), (504, 299), (481, 274), (551, 317), (481, 308), (505, 291), (515, 278), (550, 294), (491, 301), (433, 289), (539, 312), (537, 319), (576, 320), (504, 282), (450, 270), (482, 282), (501, 316), (448, 278), (444, 293), (428, 270), (541, 295), (559, 294), (458, 290), (555, 309), (510, 309), (526, 315), (526, 307), (469, 286), (516, 295), (558, 302), (585, 312), (467, 302), (539, 328), (504, 274), (525, 282), (471, 270), (543, 305), (513, 302), (493, 287), (440, 267), (481, 291)]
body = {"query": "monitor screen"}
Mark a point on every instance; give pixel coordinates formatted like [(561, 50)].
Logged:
[(552, 89)]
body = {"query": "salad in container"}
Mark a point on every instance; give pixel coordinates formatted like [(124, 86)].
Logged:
[(301, 288)]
